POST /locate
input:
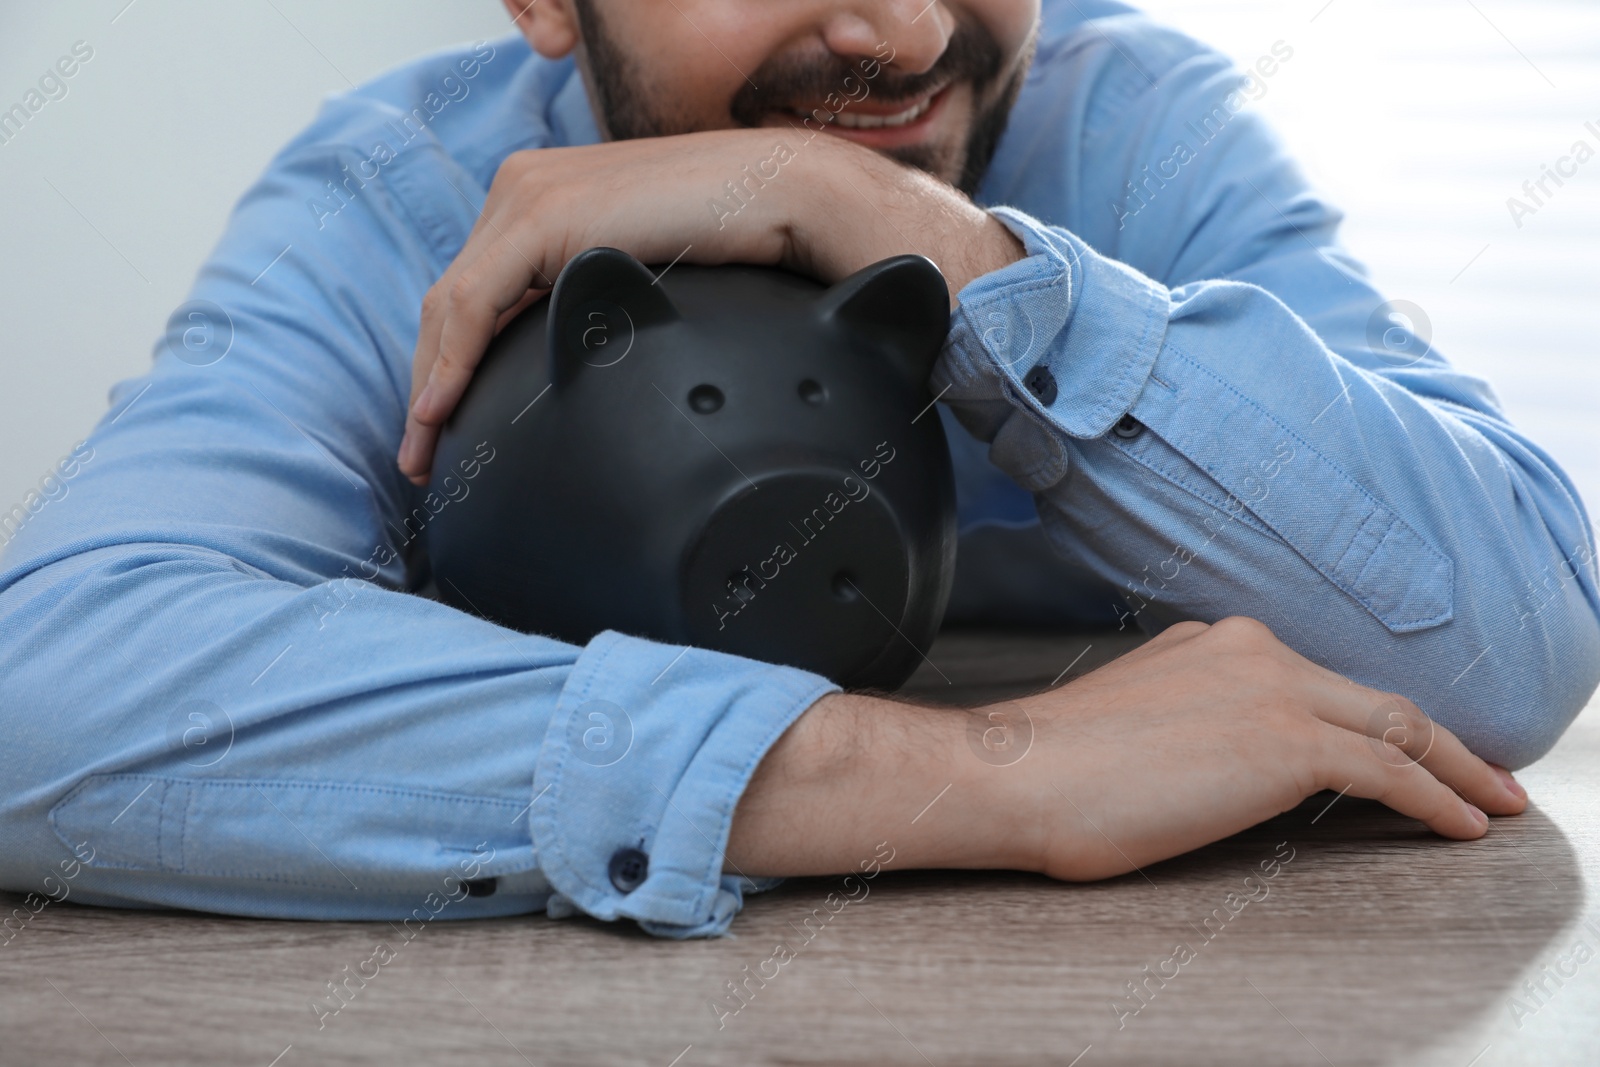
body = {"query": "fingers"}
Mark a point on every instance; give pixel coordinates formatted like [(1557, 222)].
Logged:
[(482, 291), (1443, 755), (531, 297), (545, 205), (491, 285), (416, 450), (1351, 763), (417, 445), (1397, 730)]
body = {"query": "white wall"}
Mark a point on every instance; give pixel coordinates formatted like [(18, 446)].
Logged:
[(1420, 116), (159, 134)]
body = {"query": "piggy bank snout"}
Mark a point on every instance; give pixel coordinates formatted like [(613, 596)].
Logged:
[(806, 567)]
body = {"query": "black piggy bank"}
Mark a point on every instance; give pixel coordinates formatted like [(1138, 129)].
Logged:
[(734, 457)]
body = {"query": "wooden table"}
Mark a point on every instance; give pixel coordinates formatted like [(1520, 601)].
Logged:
[(1375, 943)]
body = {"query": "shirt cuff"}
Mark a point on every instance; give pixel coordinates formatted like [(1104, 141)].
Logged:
[(1094, 324), (648, 752)]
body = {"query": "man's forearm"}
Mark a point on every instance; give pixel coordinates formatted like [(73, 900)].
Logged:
[(855, 771)]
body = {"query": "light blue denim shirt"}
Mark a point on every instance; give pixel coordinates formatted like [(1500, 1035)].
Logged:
[(220, 691)]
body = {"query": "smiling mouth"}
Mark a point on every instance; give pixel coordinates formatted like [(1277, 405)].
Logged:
[(862, 116), (857, 120)]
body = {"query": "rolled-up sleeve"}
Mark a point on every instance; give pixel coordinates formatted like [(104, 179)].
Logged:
[(1192, 387), (218, 686), (649, 750)]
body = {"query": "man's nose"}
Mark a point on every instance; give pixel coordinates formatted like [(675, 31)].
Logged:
[(917, 30)]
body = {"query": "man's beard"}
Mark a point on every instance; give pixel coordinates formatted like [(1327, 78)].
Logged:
[(972, 56)]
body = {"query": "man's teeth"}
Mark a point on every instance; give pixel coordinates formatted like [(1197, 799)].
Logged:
[(856, 121)]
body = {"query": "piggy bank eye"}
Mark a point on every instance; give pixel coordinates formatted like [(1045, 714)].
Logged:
[(705, 399), (813, 393)]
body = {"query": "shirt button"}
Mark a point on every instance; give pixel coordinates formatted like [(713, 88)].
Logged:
[(628, 869), (1128, 427), (1042, 384)]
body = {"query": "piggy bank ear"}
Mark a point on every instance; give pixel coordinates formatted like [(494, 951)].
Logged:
[(601, 297), (901, 302)]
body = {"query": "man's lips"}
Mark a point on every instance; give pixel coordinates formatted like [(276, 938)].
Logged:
[(875, 123), (870, 113)]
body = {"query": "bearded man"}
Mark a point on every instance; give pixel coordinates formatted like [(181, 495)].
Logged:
[(1174, 402)]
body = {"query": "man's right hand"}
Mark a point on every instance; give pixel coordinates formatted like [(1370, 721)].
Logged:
[(843, 207), (1200, 733)]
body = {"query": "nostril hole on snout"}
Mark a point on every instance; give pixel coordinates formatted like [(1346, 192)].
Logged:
[(705, 399), (845, 589), (812, 392)]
